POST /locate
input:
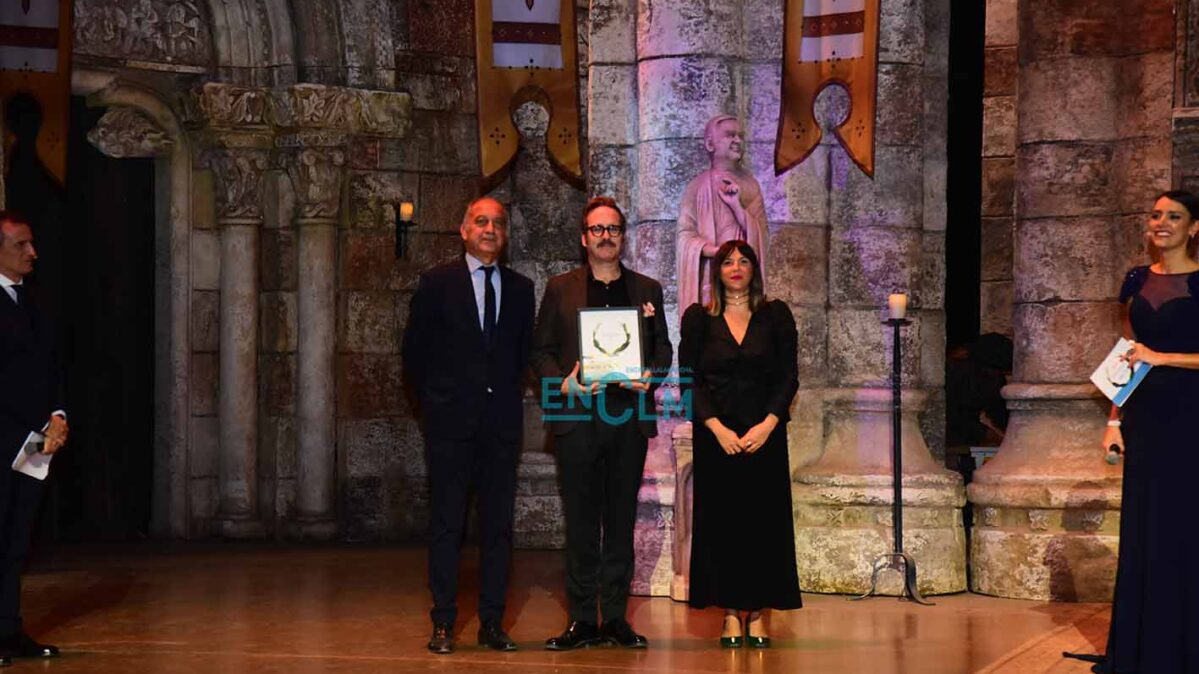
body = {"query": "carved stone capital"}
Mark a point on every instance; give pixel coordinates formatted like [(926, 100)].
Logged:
[(125, 132), (315, 106), (316, 175), (238, 175), (228, 106), (301, 108), (308, 106)]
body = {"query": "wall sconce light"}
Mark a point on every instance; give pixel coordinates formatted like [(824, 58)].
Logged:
[(404, 214)]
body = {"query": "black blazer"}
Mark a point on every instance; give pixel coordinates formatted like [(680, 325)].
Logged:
[(447, 363), (30, 371), (556, 338)]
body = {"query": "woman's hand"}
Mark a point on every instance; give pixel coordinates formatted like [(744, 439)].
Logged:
[(755, 437), (727, 439), (1139, 353), (1113, 436)]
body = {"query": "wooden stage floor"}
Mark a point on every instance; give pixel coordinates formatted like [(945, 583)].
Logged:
[(262, 609)]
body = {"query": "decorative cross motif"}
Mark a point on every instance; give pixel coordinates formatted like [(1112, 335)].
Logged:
[(497, 135), (565, 135)]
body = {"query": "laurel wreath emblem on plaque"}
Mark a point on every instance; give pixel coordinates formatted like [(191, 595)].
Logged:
[(595, 341)]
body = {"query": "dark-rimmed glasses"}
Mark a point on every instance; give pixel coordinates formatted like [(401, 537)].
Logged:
[(612, 230)]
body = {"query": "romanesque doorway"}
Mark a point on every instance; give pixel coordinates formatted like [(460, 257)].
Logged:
[(102, 486)]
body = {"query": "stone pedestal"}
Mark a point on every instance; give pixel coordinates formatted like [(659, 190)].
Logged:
[(1047, 507), (680, 585), (843, 518), (654, 535)]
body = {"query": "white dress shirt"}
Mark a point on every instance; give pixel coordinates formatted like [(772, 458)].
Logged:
[(477, 276)]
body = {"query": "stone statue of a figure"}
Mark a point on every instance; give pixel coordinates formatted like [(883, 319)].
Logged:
[(720, 204)]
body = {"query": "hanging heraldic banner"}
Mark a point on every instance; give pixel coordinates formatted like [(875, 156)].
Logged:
[(610, 344), (828, 43), (527, 50)]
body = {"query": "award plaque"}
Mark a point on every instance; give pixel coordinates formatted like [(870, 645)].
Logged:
[(610, 344)]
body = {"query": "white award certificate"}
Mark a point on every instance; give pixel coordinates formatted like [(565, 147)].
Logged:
[(610, 344), (1115, 377)]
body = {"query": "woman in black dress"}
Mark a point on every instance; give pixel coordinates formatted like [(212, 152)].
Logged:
[(740, 352), (1155, 615)]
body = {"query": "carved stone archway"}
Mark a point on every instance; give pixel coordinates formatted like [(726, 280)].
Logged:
[(141, 124)]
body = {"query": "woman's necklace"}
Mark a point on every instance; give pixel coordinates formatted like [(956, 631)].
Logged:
[(736, 300)]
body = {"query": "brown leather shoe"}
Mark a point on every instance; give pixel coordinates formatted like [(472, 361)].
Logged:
[(442, 641)]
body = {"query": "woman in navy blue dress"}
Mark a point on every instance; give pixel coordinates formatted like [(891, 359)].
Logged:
[(1155, 614)]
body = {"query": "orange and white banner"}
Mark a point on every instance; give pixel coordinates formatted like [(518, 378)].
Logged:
[(527, 50), (35, 59), (828, 42)]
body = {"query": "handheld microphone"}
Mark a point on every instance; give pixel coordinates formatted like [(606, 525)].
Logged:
[(1113, 454)]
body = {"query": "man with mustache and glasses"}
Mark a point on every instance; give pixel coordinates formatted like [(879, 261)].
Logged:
[(600, 459), (466, 350)]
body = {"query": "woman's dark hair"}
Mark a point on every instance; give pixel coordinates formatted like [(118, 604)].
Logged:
[(1190, 202), (757, 297)]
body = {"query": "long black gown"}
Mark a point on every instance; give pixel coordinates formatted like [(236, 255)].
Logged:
[(1155, 615), (743, 542)]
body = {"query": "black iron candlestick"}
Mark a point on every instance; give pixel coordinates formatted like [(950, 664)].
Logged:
[(897, 559)]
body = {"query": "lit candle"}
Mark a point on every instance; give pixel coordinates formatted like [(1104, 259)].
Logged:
[(406, 211), (898, 304)]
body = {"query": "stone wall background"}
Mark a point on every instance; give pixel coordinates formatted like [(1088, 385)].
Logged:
[(651, 73), (999, 167), (381, 455)]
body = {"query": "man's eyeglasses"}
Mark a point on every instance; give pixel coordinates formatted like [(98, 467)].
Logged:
[(612, 230)]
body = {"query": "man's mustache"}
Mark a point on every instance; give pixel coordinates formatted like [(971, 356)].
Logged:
[(606, 244)]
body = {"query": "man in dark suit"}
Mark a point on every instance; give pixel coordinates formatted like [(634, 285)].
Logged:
[(600, 460), (31, 400), (466, 349)]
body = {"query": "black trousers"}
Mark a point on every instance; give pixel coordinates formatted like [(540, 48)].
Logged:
[(19, 497), (600, 466), (488, 464)]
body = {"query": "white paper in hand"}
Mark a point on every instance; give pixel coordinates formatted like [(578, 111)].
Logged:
[(30, 460), (1115, 377)]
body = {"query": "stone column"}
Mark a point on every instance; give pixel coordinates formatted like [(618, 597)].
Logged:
[(886, 235), (1093, 147), (687, 56), (238, 167), (316, 175)]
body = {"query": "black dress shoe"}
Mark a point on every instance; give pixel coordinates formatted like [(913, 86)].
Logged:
[(621, 633), (442, 641), (5, 661), (577, 635), (493, 637), (21, 645)]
